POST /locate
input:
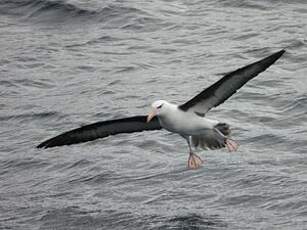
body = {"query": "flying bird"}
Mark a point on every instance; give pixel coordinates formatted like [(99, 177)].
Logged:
[(188, 119)]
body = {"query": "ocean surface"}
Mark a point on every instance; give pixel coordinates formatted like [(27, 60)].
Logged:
[(68, 63)]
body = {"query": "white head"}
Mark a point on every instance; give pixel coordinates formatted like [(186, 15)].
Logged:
[(158, 108)]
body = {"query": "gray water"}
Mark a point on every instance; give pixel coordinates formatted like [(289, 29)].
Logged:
[(68, 63)]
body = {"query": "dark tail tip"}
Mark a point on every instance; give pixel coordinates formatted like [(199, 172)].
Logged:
[(223, 128)]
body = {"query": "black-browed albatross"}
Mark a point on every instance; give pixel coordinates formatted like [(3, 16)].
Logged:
[(187, 120)]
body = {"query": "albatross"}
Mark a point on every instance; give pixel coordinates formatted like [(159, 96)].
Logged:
[(188, 119)]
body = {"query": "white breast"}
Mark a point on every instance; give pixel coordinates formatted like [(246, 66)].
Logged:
[(184, 123)]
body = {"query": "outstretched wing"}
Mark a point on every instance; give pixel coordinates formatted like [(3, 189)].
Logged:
[(102, 129), (220, 91)]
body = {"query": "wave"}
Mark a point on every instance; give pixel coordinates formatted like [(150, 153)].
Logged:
[(25, 116), (35, 7), (62, 9)]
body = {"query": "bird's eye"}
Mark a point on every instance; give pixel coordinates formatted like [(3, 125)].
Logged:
[(160, 106)]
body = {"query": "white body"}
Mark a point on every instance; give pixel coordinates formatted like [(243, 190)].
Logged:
[(184, 123), (197, 130)]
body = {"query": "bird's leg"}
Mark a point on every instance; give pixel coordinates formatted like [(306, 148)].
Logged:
[(231, 145), (194, 161)]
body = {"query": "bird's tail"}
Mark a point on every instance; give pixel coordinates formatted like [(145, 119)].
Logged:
[(215, 138), (223, 128)]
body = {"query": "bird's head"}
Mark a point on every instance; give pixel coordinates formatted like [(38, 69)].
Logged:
[(158, 107)]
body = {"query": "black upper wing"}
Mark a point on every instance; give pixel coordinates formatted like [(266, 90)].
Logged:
[(102, 129), (220, 91)]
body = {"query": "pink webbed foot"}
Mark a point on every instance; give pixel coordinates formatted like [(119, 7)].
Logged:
[(194, 161), (231, 145)]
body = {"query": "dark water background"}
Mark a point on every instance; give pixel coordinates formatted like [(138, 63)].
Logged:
[(66, 63)]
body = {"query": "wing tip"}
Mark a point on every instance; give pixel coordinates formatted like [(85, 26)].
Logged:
[(40, 146), (49, 143), (280, 53), (270, 60)]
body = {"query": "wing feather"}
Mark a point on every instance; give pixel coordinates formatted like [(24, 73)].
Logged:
[(102, 129), (220, 91)]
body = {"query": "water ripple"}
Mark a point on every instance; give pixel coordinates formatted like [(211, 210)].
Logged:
[(65, 63)]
